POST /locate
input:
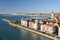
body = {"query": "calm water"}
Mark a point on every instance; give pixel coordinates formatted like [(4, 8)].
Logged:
[(8, 32)]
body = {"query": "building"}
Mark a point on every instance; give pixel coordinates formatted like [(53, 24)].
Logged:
[(52, 15), (24, 23)]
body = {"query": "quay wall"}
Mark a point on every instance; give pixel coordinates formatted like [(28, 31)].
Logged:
[(45, 35)]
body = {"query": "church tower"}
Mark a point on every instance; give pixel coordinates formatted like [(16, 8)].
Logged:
[(52, 15)]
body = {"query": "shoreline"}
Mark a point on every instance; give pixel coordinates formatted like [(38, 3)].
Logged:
[(33, 31)]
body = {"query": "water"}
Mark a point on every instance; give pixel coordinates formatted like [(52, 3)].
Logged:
[(8, 32), (22, 17)]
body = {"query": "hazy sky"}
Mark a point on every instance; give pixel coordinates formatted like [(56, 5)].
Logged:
[(29, 6)]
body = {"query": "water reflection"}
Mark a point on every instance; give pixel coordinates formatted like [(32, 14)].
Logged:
[(26, 35)]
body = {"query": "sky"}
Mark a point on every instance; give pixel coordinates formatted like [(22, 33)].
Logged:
[(29, 6)]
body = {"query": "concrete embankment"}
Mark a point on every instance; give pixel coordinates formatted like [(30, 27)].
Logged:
[(6, 20), (9, 22), (45, 35)]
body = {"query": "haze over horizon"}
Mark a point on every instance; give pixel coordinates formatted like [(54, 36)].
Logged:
[(29, 6)]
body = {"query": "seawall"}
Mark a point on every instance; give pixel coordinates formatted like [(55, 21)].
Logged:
[(42, 34)]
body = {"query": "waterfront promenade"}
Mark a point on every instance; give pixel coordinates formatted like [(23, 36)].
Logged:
[(40, 33)]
